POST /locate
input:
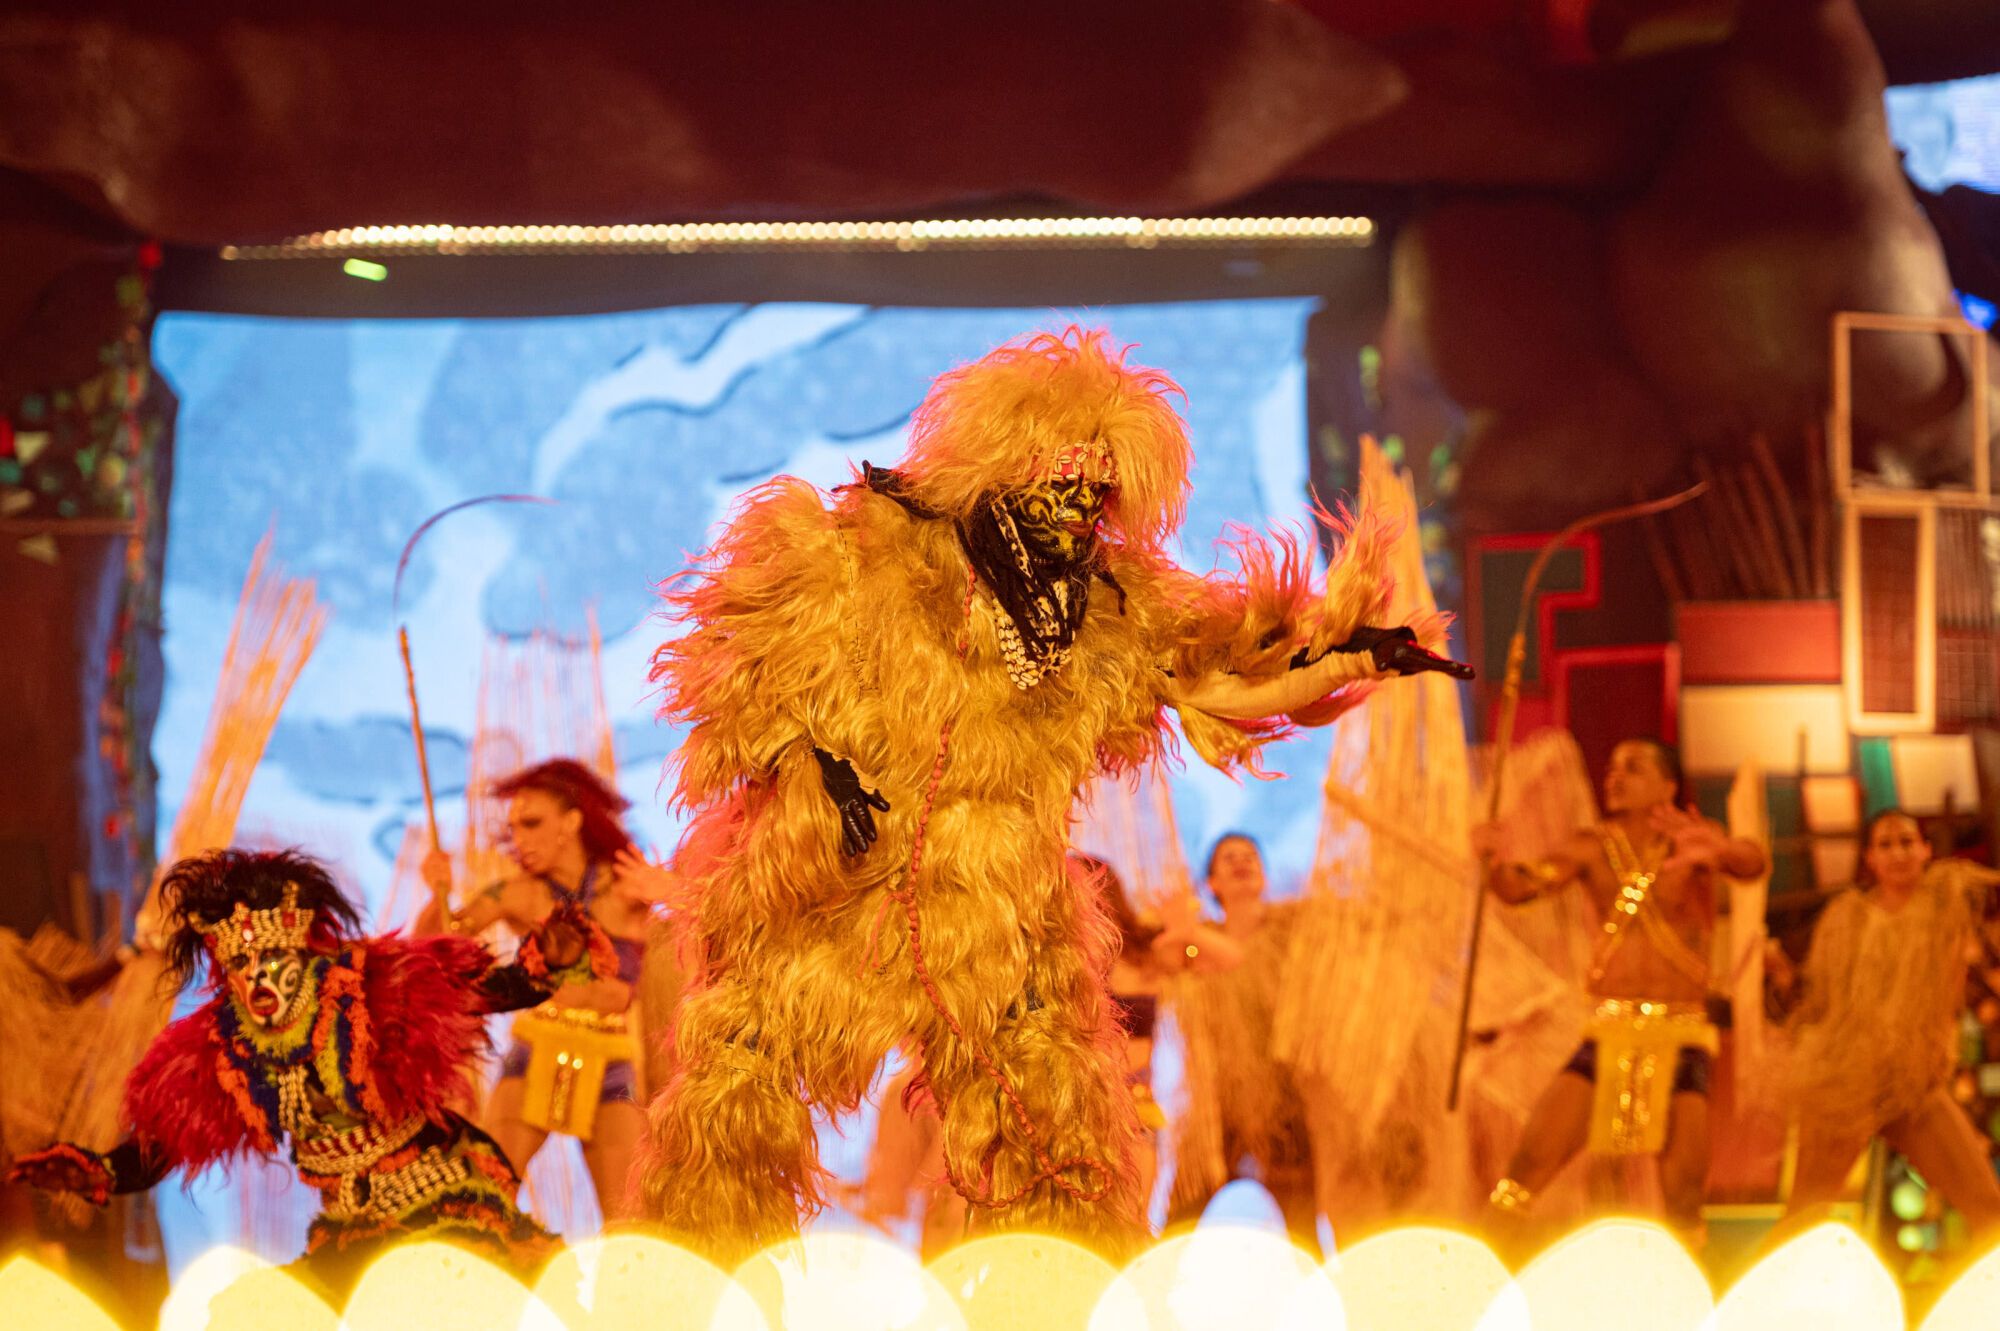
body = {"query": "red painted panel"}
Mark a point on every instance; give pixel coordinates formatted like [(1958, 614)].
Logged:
[(1759, 642), (1607, 694)]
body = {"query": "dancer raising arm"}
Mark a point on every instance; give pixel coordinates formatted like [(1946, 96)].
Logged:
[(1638, 1084), (573, 1065)]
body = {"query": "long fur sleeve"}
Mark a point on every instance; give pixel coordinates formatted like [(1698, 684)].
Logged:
[(1252, 620), (176, 1103), (765, 610)]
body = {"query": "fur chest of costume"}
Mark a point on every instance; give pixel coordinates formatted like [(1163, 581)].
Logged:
[(916, 608)]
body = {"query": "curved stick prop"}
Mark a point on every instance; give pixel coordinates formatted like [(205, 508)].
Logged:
[(1510, 702), (403, 637)]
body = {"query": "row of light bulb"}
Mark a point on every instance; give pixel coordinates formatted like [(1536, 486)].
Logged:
[(684, 237)]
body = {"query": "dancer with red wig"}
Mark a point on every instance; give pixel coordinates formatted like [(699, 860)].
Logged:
[(348, 1050), (573, 1066)]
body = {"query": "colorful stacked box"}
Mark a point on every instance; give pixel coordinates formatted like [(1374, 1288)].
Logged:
[(1761, 683)]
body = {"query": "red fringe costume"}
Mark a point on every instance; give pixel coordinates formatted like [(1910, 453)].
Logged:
[(855, 624), (360, 1083)]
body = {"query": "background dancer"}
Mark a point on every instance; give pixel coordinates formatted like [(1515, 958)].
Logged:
[(1877, 1015), (573, 1066), (1638, 1084), (1244, 1115)]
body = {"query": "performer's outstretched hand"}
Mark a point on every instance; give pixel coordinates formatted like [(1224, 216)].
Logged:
[(642, 879), (852, 799), (1397, 652), (64, 1168), (1698, 842)]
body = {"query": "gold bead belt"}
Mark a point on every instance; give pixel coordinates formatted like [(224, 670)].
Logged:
[(583, 1018)]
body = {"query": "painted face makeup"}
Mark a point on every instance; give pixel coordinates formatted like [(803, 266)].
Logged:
[(1057, 516), (539, 828), (1058, 519), (267, 984), (262, 956)]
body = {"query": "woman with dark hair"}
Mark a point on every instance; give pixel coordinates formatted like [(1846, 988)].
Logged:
[(350, 1049), (573, 1065), (1878, 1004), (1150, 951), (1245, 1117)]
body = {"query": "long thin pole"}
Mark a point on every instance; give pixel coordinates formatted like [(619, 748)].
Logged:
[(403, 637), (1503, 732), (417, 733)]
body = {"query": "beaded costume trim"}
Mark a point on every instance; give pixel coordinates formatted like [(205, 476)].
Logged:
[(284, 927)]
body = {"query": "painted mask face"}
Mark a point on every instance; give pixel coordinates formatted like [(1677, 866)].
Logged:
[(267, 984), (1057, 516), (1058, 519)]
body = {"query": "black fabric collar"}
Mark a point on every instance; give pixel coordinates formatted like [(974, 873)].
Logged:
[(1046, 622)]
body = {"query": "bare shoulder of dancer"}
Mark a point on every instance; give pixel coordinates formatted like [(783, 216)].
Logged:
[(513, 901)]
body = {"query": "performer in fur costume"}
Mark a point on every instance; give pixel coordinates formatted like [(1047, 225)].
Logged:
[(350, 1048), (893, 694)]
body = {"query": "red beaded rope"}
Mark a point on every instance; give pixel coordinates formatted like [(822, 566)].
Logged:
[(1046, 1168)]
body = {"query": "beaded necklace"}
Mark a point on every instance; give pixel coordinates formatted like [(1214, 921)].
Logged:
[(1636, 876)]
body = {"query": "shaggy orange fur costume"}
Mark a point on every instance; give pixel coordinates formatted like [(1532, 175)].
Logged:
[(853, 623)]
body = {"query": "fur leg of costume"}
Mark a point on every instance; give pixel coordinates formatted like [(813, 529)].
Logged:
[(733, 1159), (1048, 1057)]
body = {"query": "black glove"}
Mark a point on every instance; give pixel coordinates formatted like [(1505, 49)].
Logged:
[(1396, 650), (852, 799)]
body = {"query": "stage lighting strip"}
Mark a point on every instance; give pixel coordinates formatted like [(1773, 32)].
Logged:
[(698, 237)]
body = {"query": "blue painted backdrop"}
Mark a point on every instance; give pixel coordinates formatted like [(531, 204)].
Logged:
[(646, 426)]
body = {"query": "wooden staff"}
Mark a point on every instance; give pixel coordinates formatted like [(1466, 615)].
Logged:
[(1510, 702), (417, 734), (1819, 502), (403, 640), (1736, 533)]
